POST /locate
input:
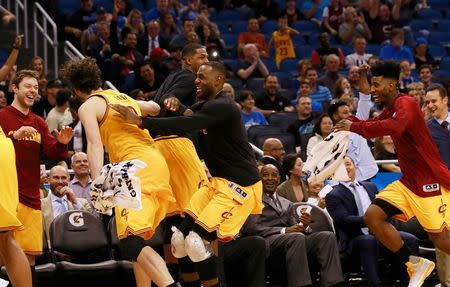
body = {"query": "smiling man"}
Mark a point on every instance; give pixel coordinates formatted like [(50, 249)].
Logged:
[(219, 208), (81, 182), (424, 188)]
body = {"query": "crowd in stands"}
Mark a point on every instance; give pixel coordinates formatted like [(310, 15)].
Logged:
[(294, 69)]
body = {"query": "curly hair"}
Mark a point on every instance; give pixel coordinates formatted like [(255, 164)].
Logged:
[(84, 74)]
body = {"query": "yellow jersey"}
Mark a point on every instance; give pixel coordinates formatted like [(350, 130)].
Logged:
[(284, 47), (124, 141)]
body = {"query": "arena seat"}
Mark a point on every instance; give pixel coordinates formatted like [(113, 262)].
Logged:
[(305, 26), (439, 38), (269, 26), (429, 14), (437, 51), (421, 24), (288, 65), (237, 26), (270, 64), (282, 119), (254, 132), (80, 235), (230, 15), (256, 85)]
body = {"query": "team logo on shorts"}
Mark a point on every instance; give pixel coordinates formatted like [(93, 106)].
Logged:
[(124, 213), (76, 219), (227, 215), (442, 208)]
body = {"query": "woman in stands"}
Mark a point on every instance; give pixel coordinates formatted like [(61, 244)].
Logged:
[(37, 64), (134, 22), (322, 128), (250, 117), (384, 150), (293, 189)]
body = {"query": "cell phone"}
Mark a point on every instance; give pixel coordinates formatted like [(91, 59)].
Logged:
[(303, 209)]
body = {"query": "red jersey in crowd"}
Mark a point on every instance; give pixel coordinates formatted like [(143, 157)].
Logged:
[(422, 167), (28, 152)]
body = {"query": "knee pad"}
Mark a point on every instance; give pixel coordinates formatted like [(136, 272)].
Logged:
[(177, 243), (131, 247), (196, 248)]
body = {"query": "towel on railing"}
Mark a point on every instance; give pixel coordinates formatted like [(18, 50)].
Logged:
[(117, 185), (327, 159)]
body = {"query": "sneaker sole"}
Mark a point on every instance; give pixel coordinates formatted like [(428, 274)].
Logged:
[(425, 275)]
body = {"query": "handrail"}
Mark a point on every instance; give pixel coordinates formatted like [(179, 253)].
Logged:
[(111, 86), (72, 52), (53, 41), (20, 6)]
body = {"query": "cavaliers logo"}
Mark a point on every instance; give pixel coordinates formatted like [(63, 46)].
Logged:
[(76, 219), (227, 215), (124, 213), (442, 208)]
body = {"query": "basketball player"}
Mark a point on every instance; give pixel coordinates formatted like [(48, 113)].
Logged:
[(220, 207), (125, 142), (424, 188), (31, 137), (11, 255)]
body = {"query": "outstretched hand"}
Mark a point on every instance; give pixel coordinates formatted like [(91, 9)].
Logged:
[(65, 135), (128, 114)]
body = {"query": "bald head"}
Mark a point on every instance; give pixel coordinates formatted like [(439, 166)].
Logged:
[(274, 147), (58, 169)]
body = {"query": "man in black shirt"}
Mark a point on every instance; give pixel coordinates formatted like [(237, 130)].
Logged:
[(270, 100), (220, 207)]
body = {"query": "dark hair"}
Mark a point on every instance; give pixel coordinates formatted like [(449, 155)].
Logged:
[(62, 96), (440, 88), (333, 108), (84, 74), (396, 31), (289, 162), (218, 67), (386, 69), (190, 49), (20, 75), (133, 94), (425, 66), (269, 75), (316, 128), (244, 95), (75, 103), (54, 84)]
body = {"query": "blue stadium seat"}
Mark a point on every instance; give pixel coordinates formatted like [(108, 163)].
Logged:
[(235, 83), (437, 51), (254, 132), (438, 38), (429, 14), (304, 52), (230, 39), (238, 26), (256, 85), (298, 40), (230, 15), (443, 25), (288, 94), (270, 64), (421, 24), (68, 7), (232, 63), (382, 179), (288, 141), (284, 79), (445, 63), (305, 26), (150, 4), (346, 49), (438, 4), (137, 4), (288, 65), (269, 26), (373, 49), (282, 119)]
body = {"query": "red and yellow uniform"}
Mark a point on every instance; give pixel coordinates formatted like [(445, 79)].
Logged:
[(126, 142), (9, 187), (284, 47), (28, 156)]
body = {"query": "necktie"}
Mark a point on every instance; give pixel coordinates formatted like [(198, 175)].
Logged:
[(274, 200), (445, 126), (61, 207), (359, 205), (153, 44)]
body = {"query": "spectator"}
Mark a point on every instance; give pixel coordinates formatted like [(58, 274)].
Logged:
[(228, 89), (360, 56), (12, 58), (174, 61), (358, 149), (322, 128), (137, 94), (6, 16), (168, 26), (385, 150), (61, 198), (81, 182), (134, 22), (417, 91), (267, 10), (381, 20), (354, 26), (305, 91), (251, 66), (282, 41), (181, 39), (314, 189), (291, 11), (406, 77), (395, 50), (273, 150), (252, 36), (304, 124), (79, 140), (342, 88), (331, 76), (80, 21), (318, 56), (60, 116), (250, 117), (203, 19), (422, 55), (153, 39), (100, 46), (3, 101), (294, 188), (271, 101), (332, 17), (162, 6), (192, 38), (290, 237), (90, 34), (347, 203), (48, 100), (425, 75), (318, 93), (313, 10), (37, 64), (190, 11), (211, 41), (353, 79)]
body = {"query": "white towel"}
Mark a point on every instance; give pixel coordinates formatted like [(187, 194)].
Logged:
[(327, 159), (117, 185)]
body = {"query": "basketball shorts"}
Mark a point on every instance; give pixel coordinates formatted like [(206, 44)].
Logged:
[(30, 238)]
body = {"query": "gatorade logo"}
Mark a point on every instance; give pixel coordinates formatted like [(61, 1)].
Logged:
[(76, 219)]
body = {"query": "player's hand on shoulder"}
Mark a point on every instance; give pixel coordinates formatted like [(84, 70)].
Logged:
[(343, 125), (65, 135), (128, 114)]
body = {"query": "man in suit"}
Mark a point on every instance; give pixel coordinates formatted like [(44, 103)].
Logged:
[(151, 40), (274, 152), (437, 103), (291, 241), (346, 204), (61, 198)]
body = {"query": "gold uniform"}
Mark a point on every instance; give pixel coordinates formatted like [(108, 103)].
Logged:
[(126, 142), (186, 170), (284, 47), (9, 187)]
